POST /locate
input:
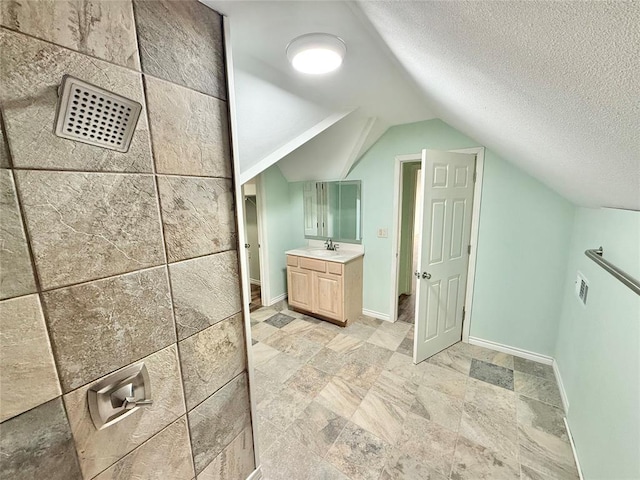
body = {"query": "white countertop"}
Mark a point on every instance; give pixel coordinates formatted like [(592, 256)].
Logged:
[(339, 256)]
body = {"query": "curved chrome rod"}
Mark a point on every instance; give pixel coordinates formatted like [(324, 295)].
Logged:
[(628, 280)]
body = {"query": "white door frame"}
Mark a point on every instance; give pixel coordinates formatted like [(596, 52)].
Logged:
[(263, 257), (395, 234), (475, 219)]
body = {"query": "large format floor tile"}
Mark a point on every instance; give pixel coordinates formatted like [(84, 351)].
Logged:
[(349, 403)]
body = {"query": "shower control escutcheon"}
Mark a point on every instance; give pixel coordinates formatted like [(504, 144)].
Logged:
[(119, 395)]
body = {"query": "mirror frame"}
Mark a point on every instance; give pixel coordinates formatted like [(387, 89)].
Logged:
[(317, 212)]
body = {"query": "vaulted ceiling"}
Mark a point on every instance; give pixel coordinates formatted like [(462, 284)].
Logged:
[(553, 87)]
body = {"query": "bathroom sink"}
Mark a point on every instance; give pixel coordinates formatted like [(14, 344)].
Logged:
[(340, 256), (324, 253)]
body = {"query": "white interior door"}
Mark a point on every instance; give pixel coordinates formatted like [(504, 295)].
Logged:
[(443, 258)]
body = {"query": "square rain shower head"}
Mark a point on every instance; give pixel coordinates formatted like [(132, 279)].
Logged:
[(92, 115)]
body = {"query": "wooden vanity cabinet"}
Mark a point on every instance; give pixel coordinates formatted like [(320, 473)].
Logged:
[(325, 289)]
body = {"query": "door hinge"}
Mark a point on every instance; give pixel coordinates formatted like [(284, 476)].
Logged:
[(469, 249), (475, 175), (464, 312)]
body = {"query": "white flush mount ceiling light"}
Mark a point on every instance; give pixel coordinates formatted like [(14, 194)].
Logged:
[(316, 53)]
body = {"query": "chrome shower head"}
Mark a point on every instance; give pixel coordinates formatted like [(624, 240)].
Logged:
[(92, 115)]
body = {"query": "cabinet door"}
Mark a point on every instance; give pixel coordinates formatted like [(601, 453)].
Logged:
[(300, 285), (328, 295)]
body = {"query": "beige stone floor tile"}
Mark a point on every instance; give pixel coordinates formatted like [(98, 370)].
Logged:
[(281, 367), (344, 343), (360, 374), (444, 380), (262, 314), (288, 459), (547, 454), (387, 339), (262, 331), (298, 326), (539, 388), (263, 353), (320, 335), (294, 345), (268, 433), (403, 366), (489, 417), (396, 389), (308, 380), (340, 397), (373, 414), (380, 416), (472, 461), (401, 466), (317, 428), (452, 360), (542, 416), (358, 454), (428, 441), (282, 408), (484, 354), (438, 407), (327, 360)]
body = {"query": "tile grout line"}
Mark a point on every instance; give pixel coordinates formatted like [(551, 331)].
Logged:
[(455, 445), (39, 292), (145, 96), (29, 168), (121, 274), (141, 445), (110, 62)]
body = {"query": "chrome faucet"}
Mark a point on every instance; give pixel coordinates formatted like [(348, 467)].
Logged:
[(330, 245)]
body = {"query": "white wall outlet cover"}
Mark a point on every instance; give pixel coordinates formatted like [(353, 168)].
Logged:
[(382, 233), (581, 288)]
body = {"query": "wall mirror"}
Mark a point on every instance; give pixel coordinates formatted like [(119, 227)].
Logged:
[(333, 210)]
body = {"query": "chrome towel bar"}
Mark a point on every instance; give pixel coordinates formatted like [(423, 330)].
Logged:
[(628, 280)]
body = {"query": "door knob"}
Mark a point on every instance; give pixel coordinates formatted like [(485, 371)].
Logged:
[(423, 275)]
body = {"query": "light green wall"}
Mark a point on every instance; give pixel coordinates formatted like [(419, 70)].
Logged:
[(297, 214), (525, 230), (281, 231), (598, 346), (524, 237)]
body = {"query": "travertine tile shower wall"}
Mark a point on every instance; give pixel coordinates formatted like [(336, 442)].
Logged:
[(107, 258)]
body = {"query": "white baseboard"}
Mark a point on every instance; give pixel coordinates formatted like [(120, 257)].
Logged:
[(254, 282), (378, 315), (256, 474), (518, 352), (563, 392), (277, 299), (573, 448)]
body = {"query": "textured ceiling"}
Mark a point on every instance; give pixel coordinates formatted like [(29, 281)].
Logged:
[(554, 87), (276, 105)]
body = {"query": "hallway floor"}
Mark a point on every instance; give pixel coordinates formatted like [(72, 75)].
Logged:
[(256, 301), (348, 403)]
